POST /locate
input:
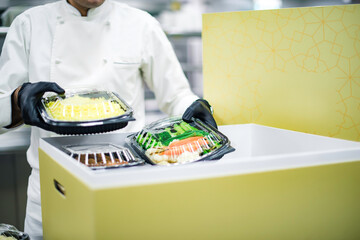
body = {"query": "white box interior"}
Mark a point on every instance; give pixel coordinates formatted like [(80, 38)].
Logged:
[(258, 149), (252, 140)]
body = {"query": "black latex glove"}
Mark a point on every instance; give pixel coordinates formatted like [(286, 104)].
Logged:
[(200, 109), (29, 96)]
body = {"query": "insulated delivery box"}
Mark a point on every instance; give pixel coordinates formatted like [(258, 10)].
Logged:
[(277, 184), (289, 105)]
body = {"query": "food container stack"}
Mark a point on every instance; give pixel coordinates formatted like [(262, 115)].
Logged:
[(174, 141)]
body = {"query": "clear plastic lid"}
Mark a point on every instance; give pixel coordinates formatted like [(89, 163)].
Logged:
[(83, 105), (84, 111), (173, 141), (103, 155)]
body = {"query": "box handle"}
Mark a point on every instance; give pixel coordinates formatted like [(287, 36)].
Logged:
[(60, 188)]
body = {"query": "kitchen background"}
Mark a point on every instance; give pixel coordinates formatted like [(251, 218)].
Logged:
[(181, 20)]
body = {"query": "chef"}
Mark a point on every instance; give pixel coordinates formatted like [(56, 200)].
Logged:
[(87, 43)]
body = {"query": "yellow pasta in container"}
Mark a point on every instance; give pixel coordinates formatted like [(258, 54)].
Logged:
[(84, 112), (79, 108)]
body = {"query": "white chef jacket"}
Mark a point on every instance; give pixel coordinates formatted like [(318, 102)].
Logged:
[(140, 51)]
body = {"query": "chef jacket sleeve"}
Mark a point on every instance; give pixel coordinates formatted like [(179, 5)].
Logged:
[(13, 66), (163, 73)]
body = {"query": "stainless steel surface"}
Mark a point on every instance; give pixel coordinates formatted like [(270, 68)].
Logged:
[(14, 173), (15, 141)]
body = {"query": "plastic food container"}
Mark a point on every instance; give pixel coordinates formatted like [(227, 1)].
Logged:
[(103, 155), (173, 141), (10, 232), (84, 111)]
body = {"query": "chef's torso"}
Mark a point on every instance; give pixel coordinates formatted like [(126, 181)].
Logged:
[(101, 51), (115, 48)]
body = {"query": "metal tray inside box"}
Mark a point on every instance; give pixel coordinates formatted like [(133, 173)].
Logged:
[(84, 112), (173, 141), (103, 155)]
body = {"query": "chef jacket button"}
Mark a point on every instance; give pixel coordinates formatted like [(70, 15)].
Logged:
[(61, 21), (57, 61), (105, 61), (107, 23)]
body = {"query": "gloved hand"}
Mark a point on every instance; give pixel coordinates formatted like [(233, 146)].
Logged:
[(29, 96), (200, 109)]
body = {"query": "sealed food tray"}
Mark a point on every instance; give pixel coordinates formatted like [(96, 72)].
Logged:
[(10, 232), (84, 112), (103, 155), (173, 141)]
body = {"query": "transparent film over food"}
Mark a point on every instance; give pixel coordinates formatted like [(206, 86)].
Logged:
[(84, 106), (178, 142)]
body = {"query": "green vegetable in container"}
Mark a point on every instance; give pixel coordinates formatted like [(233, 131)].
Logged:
[(185, 135), (179, 129), (163, 136)]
